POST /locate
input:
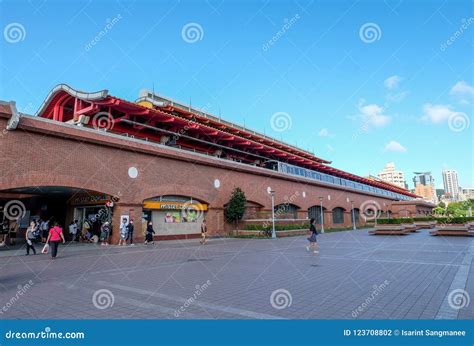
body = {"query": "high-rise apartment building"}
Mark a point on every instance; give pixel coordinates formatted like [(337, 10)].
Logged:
[(451, 184), (425, 186), (392, 176)]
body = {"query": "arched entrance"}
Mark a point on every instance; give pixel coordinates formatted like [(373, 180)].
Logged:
[(286, 211), (252, 210), (355, 214), (62, 204), (338, 216), (315, 213), (175, 217)]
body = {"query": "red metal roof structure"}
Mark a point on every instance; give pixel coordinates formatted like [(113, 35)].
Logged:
[(159, 119)]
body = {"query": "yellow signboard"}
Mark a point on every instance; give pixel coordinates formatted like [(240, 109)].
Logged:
[(174, 206)]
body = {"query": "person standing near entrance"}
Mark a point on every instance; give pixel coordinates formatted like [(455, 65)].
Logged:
[(73, 230), (14, 227), (312, 238), (54, 237), (130, 229), (30, 236), (44, 230), (149, 233), (85, 233), (105, 233), (203, 232), (123, 232), (5, 227)]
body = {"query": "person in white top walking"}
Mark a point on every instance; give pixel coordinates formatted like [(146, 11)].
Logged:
[(123, 232), (73, 230)]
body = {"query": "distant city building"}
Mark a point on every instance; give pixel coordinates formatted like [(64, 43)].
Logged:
[(451, 184), (439, 193), (466, 194), (426, 191), (425, 186), (390, 175)]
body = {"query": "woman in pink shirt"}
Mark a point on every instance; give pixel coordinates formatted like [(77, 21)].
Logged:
[(54, 237)]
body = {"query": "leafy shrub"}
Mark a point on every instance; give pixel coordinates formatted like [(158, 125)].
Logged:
[(424, 218), (454, 220), (389, 221), (394, 221), (266, 226)]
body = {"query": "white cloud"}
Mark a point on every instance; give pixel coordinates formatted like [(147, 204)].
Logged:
[(396, 97), (325, 133), (463, 91), (437, 114), (392, 82), (372, 115), (394, 146)]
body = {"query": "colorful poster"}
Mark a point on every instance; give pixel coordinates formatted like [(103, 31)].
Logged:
[(172, 217)]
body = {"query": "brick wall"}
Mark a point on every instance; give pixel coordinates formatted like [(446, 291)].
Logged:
[(44, 153)]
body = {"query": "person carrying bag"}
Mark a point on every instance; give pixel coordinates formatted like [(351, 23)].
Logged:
[(54, 237), (30, 236)]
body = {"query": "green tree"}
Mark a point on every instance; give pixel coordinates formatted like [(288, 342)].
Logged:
[(457, 209), (235, 209)]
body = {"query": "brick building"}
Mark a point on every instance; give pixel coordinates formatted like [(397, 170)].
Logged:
[(95, 156)]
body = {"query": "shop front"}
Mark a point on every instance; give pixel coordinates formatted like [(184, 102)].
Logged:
[(90, 211), (175, 217)]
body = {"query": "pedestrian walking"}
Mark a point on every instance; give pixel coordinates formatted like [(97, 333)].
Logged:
[(123, 232), (130, 229), (54, 237), (149, 233), (105, 233), (203, 232), (73, 230), (44, 230), (5, 227), (313, 245), (14, 227), (30, 236)]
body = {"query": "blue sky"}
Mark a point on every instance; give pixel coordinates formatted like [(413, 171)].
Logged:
[(308, 72)]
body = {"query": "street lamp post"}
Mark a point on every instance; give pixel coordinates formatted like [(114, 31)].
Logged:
[(273, 214), (322, 215), (353, 217)]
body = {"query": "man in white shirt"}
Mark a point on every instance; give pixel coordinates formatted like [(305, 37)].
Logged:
[(123, 232), (73, 230)]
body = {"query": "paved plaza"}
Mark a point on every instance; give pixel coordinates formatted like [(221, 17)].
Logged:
[(355, 276)]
